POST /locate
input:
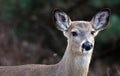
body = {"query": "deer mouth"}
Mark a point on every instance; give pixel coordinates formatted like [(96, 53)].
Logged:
[(86, 51)]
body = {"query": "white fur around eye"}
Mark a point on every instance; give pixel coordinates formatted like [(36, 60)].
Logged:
[(74, 30)]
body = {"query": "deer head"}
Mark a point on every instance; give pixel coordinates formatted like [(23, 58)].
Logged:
[(81, 34)]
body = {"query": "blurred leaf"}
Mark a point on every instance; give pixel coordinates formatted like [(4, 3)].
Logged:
[(96, 3), (25, 5), (100, 3), (22, 27), (47, 1), (8, 9), (1, 3)]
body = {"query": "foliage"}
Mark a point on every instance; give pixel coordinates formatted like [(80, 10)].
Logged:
[(102, 3), (26, 28), (112, 31)]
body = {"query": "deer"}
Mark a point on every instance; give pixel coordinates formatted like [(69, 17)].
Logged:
[(77, 57)]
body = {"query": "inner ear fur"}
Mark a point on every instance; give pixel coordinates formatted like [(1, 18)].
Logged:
[(101, 19)]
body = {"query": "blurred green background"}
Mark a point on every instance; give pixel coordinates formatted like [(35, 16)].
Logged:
[(28, 34)]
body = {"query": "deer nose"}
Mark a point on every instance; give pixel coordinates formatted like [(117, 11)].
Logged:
[(87, 45)]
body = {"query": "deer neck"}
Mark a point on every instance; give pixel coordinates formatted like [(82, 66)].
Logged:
[(75, 65)]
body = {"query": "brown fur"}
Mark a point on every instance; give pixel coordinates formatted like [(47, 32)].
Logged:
[(75, 62), (66, 67)]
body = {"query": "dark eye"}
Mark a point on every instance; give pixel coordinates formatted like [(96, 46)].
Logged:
[(74, 33), (92, 32)]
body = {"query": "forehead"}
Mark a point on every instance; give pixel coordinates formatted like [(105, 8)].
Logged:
[(81, 25)]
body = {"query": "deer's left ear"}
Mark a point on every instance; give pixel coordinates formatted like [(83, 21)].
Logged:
[(101, 19)]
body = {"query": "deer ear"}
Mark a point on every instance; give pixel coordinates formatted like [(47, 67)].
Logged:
[(101, 19), (61, 19)]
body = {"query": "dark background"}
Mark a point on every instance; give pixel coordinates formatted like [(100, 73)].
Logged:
[(28, 34)]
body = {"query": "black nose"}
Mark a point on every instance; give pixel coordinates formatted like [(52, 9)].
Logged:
[(87, 46)]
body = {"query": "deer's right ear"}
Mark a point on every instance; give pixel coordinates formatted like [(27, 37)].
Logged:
[(61, 19)]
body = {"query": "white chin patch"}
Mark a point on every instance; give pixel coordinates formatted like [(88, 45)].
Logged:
[(86, 51)]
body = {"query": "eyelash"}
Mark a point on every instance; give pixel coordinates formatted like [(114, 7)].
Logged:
[(92, 32), (74, 33)]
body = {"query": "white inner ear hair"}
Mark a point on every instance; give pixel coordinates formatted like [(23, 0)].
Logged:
[(100, 19), (62, 24)]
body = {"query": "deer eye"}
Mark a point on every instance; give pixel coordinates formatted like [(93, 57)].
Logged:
[(92, 32), (74, 33)]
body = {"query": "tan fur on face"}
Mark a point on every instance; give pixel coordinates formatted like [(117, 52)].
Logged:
[(83, 28), (76, 60)]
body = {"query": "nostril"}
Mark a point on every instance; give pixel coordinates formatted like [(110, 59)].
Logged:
[(87, 45)]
